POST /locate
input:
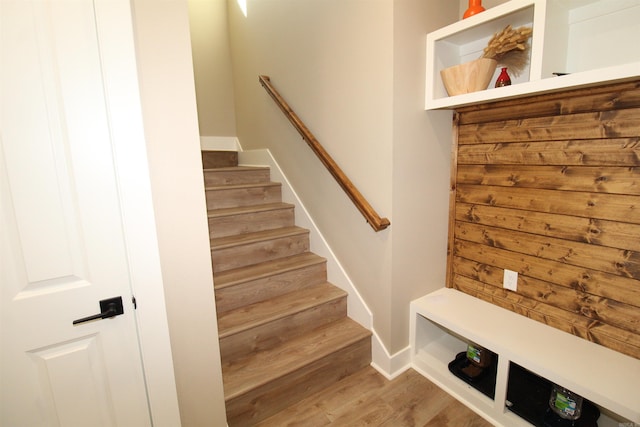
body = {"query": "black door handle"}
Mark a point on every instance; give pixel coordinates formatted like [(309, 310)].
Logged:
[(108, 308)]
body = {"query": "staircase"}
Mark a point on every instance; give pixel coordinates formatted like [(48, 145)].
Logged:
[(283, 329)]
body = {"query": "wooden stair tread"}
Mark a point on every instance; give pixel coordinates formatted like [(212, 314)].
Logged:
[(236, 168), (240, 210), (242, 376), (236, 175), (265, 269), (242, 186), (260, 313), (283, 329), (258, 236)]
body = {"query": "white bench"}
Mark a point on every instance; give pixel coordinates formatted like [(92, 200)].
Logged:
[(443, 322)]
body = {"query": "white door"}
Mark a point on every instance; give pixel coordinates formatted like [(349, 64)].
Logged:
[(63, 248)]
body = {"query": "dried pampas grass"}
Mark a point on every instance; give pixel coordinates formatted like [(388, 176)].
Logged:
[(510, 48)]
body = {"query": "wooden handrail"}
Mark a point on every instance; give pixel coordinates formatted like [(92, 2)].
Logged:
[(356, 197)]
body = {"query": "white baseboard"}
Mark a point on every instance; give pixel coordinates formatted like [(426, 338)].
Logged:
[(357, 310), (219, 143), (390, 366)]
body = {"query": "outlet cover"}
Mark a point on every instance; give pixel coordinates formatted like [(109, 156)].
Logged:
[(510, 280)]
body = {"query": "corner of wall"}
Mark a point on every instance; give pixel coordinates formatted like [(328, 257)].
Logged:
[(390, 366)]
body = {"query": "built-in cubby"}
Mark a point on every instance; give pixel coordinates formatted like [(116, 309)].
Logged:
[(588, 41), (445, 321), (575, 44)]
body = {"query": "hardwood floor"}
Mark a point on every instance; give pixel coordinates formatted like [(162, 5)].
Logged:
[(366, 398)]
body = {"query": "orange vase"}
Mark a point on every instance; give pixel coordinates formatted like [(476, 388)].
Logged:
[(475, 6)]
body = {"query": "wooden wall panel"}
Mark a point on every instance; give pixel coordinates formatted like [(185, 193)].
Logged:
[(549, 186)]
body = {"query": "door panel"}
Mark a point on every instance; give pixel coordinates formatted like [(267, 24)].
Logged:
[(81, 400), (63, 248)]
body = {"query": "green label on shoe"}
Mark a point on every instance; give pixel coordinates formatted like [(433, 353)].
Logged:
[(565, 404), (473, 353)]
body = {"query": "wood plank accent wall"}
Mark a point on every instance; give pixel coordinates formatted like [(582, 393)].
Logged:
[(549, 186)]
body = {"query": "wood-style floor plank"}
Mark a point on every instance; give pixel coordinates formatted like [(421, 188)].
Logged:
[(366, 398)]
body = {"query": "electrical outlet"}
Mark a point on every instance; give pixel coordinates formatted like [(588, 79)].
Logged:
[(510, 280)]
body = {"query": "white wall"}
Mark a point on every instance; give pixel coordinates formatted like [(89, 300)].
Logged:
[(173, 145), (421, 164), (212, 67)]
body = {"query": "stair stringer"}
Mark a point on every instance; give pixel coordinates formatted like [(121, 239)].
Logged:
[(388, 365)]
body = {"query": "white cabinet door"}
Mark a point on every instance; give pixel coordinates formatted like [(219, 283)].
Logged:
[(62, 243)]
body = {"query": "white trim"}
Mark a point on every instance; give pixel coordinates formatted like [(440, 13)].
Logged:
[(219, 143), (113, 20), (389, 366)]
